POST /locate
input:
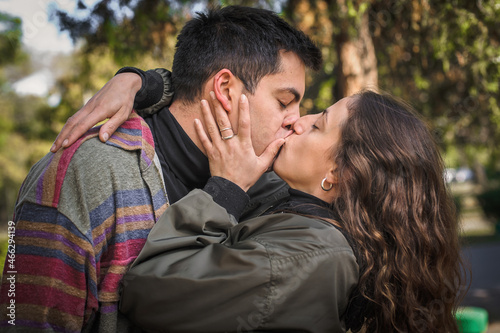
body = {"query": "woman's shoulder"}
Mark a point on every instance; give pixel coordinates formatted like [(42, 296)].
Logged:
[(294, 232)]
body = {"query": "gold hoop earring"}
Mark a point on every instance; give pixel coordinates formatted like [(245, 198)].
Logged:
[(323, 185)]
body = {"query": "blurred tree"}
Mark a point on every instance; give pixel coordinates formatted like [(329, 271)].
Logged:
[(10, 48), (128, 28), (341, 29), (23, 128), (10, 39), (442, 57), (112, 34)]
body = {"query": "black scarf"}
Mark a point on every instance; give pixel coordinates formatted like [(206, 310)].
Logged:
[(305, 204), (183, 164)]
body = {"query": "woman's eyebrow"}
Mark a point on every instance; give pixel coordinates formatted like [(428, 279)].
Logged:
[(325, 115)]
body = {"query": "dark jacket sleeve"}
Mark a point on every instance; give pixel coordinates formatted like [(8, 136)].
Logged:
[(267, 193), (156, 90), (187, 278), (228, 195), (201, 271)]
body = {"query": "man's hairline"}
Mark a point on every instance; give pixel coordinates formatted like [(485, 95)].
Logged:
[(279, 70)]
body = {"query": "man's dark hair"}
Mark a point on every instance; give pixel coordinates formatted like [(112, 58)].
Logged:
[(245, 40)]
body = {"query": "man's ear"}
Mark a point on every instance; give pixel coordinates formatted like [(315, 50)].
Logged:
[(224, 88)]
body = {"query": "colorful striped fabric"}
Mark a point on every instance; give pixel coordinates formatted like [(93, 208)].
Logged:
[(82, 217)]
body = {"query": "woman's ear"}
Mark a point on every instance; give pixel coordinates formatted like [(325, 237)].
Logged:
[(332, 176), (223, 83)]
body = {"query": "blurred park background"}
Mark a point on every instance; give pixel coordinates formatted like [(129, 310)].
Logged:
[(443, 57)]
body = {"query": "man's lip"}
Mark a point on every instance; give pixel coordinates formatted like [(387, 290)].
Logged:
[(290, 132)]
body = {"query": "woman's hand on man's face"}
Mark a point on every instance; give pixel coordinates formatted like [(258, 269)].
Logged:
[(231, 155)]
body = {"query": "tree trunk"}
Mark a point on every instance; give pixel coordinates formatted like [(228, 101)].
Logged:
[(357, 62)]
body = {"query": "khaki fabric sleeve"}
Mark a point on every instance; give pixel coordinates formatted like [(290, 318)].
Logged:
[(187, 265), (201, 271)]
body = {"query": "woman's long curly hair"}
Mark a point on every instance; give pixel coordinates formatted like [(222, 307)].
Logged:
[(394, 204)]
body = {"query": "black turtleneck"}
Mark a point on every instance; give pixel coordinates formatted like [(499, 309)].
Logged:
[(305, 204), (183, 164)]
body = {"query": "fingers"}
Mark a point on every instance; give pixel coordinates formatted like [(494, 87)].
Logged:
[(114, 100), (267, 157), (109, 127), (82, 121), (71, 131), (210, 124), (244, 118), (61, 137), (223, 123), (76, 126), (200, 131), (205, 141)]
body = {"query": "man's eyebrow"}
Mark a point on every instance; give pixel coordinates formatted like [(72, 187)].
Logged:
[(292, 91)]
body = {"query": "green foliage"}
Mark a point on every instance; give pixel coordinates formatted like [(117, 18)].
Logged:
[(442, 57), (25, 135), (490, 203), (457, 200), (10, 39), (26, 124), (152, 27)]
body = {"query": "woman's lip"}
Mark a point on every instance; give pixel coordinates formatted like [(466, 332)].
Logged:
[(275, 157), (279, 150)]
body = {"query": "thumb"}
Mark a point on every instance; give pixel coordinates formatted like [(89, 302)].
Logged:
[(268, 155)]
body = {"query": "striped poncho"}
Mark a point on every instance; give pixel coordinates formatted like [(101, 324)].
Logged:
[(82, 217)]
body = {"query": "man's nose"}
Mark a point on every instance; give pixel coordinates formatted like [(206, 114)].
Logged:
[(290, 118)]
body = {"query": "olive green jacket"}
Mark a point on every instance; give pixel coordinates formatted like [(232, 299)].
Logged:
[(202, 271)]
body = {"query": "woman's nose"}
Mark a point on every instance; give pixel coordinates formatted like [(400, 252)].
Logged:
[(302, 123)]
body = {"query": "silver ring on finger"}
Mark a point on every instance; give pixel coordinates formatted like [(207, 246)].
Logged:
[(227, 137), (225, 129)]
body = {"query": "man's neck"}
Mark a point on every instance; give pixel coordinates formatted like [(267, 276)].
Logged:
[(185, 114)]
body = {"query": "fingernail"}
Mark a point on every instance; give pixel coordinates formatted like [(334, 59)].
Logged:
[(212, 94), (105, 136), (65, 143), (53, 148), (243, 98)]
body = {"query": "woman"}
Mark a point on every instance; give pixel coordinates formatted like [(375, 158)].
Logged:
[(368, 238)]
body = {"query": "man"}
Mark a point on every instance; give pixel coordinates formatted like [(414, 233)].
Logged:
[(84, 213)]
